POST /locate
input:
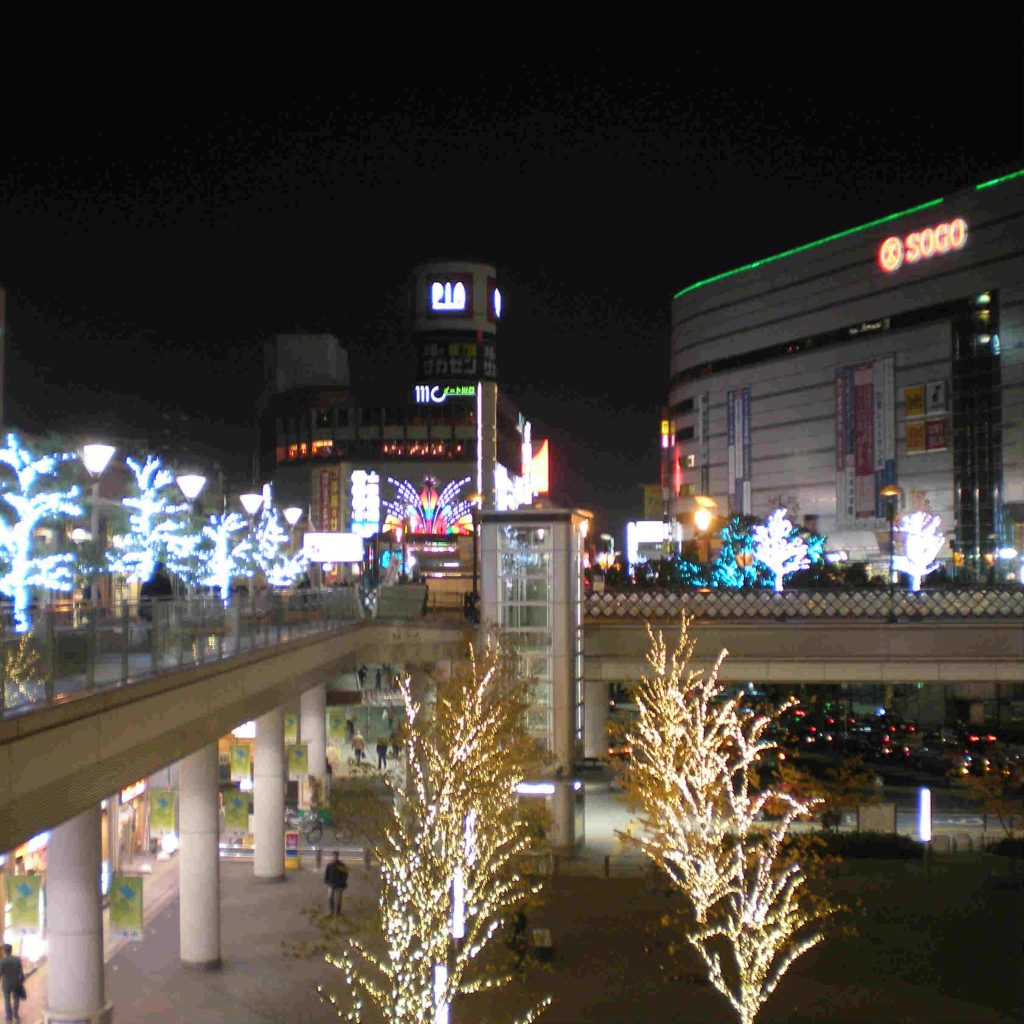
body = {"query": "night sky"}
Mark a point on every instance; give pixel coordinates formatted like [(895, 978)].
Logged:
[(150, 244)]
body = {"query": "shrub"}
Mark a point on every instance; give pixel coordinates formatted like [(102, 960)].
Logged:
[(1007, 847), (883, 845)]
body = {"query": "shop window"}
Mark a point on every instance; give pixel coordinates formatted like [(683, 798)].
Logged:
[(325, 417)]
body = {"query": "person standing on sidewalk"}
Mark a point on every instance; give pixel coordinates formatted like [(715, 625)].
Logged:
[(12, 979), (358, 746), (336, 880), (382, 753)]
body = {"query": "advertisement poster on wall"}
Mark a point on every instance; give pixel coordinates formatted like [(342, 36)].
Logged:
[(291, 727), (161, 812), (240, 766), (236, 812), (23, 900), (126, 907), (298, 761), (336, 726)]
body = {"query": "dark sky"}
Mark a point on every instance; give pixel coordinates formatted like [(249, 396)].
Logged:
[(154, 229)]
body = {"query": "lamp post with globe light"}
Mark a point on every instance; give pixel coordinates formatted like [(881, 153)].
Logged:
[(96, 458), (703, 518)]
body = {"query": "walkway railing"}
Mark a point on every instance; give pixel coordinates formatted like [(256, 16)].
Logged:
[(80, 647), (853, 603)]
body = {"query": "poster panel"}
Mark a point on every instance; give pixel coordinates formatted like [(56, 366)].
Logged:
[(291, 727), (126, 907), (240, 764), (236, 811), (23, 900), (161, 811), (298, 761)]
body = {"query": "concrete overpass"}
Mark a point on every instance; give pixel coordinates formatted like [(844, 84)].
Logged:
[(61, 759)]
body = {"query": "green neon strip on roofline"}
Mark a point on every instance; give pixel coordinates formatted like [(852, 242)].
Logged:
[(998, 181), (808, 245)]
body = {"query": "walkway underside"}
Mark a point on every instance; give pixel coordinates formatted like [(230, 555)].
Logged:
[(58, 761)]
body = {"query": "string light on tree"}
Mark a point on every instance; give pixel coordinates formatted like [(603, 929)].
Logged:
[(21, 491), (779, 547), (270, 546), (448, 852), (220, 557), (922, 541), (695, 755)]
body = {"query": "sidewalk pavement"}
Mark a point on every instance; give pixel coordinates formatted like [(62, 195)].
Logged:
[(159, 888)]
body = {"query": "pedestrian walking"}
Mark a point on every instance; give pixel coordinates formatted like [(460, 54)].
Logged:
[(336, 880), (358, 746), (12, 980), (350, 728), (382, 752), (361, 676), (378, 678), (395, 749)]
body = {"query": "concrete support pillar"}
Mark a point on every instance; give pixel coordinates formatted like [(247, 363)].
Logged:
[(563, 819), (268, 796), (199, 858), (313, 731), (74, 923), (595, 718)]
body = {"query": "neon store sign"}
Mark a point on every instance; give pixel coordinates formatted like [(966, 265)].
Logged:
[(429, 510), (448, 297), (425, 394), (922, 245)]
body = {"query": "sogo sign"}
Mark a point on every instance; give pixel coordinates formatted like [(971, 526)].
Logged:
[(922, 245)]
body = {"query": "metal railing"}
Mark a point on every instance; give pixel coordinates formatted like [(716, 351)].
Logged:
[(77, 647), (853, 603)]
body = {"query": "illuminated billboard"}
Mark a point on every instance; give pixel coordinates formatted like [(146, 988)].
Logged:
[(333, 547), (539, 478), (429, 510)]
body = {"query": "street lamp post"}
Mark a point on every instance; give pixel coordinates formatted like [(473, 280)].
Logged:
[(96, 458), (891, 493), (703, 517)]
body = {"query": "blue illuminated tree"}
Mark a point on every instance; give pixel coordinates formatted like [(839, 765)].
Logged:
[(270, 549), (31, 504), (736, 566), (157, 527)]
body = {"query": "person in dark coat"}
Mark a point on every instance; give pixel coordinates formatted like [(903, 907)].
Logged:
[(157, 587), (336, 880), (12, 980)]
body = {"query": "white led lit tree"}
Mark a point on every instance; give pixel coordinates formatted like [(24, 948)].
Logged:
[(447, 878), (695, 757), (922, 541), (221, 556), (157, 526), (24, 490), (270, 542), (779, 548)]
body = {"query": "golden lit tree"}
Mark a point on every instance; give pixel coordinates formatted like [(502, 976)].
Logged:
[(448, 883), (694, 765), (691, 769), (20, 671)]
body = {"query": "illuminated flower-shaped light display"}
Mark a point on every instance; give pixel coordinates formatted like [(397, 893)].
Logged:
[(429, 511), (922, 541)]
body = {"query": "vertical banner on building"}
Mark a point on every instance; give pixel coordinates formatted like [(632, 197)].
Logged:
[(864, 438), (298, 761), (239, 755), (161, 812), (291, 727), (23, 899), (126, 907), (885, 429), (737, 410), (325, 500), (236, 812), (334, 518)]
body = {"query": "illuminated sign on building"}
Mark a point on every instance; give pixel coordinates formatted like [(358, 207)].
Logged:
[(365, 503), (333, 547), (453, 295), (429, 511), (132, 791), (493, 300), (922, 245), (426, 394)]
